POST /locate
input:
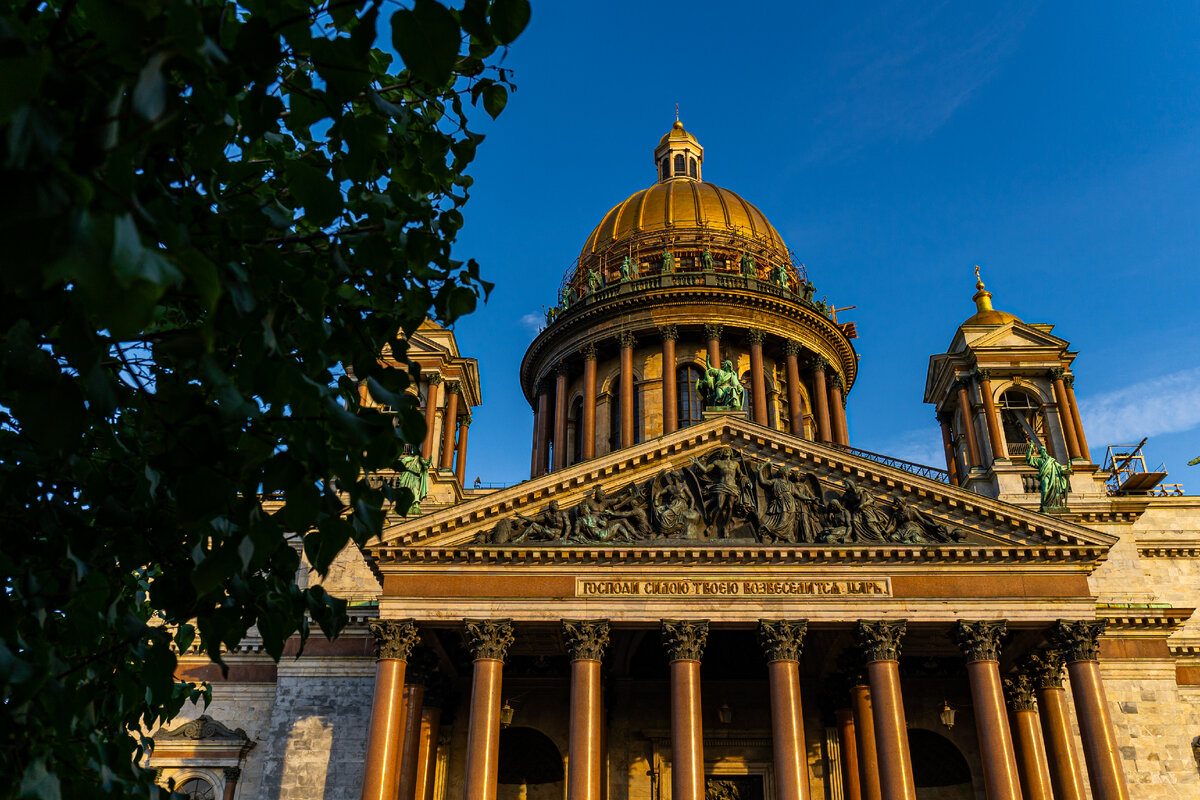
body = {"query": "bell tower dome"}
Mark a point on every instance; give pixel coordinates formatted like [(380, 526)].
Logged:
[(679, 155)]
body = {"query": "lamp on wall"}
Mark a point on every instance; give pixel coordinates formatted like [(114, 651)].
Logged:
[(947, 715), (725, 714), (506, 714)]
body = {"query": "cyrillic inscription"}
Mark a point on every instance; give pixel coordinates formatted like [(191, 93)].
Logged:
[(732, 587)]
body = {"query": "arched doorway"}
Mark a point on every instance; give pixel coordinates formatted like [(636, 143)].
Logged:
[(939, 770), (530, 768)]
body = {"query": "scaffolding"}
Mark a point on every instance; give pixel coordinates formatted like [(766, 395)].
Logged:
[(1127, 473)]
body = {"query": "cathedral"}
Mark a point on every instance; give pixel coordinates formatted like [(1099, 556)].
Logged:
[(705, 591)]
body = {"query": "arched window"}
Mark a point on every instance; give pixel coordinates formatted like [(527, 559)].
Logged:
[(692, 168), (614, 418), (575, 420), (690, 407), (196, 788), (664, 167), (1017, 405), (680, 164)]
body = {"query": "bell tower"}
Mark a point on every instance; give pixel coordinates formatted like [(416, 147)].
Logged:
[(1004, 386), (679, 155)]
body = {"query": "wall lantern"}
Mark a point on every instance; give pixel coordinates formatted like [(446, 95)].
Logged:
[(506, 714), (725, 714), (947, 715)]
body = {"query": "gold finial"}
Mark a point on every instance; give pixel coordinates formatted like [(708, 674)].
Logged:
[(982, 298)]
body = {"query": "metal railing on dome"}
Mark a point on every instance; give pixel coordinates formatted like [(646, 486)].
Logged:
[(933, 473)]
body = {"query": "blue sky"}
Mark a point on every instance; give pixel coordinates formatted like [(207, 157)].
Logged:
[(894, 146)]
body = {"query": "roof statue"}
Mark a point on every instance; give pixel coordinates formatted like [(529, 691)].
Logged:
[(1052, 477)]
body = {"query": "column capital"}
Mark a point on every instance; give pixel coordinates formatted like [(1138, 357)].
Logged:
[(685, 639), (791, 348), (962, 382), (1080, 640), (1069, 379), (782, 639), (232, 773), (1019, 692), (541, 385), (669, 331), (879, 640), (588, 351), (713, 332), (626, 339), (1058, 373), (1045, 667), (464, 421), (586, 640), (755, 336), (819, 363), (561, 368), (979, 641), (452, 387), (434, 378), (983, 374), (835, 381), (945, 415), (394, 638), (489, 638)]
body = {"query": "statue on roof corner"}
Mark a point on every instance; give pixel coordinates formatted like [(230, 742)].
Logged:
[(1052, 477), (594, 281), (720, 387), (414, 476), (748, 265)]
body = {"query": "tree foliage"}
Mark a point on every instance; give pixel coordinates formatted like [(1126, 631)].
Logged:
[(214, 214)]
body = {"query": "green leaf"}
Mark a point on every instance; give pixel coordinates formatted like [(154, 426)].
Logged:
[(316, 191), (509, 18), (427, 39), (39, 782), (149, 93), (495, 97), (21, 80)]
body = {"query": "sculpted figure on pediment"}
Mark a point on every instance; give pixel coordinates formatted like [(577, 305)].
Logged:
[(725, 496)]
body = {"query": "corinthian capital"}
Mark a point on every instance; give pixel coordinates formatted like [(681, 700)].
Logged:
[(879, 640), (394, 638), (782, 639), (1045, 667), (489, 638), (713, 332), (1079, 641), (669, 332), (685, 639), (586, 640), (979, 641), (1019, 692)]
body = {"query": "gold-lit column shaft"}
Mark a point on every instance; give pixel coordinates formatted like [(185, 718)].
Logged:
[(431, 720), (626, 342), (460, 457), (560, 418), (414, 701), (948, 445), (449, 423), (712, 336), (394, 641), (980, 644), (795, 411), (1065, 776), (588, 449), (992, 420), (670, 398), (781, 641), (489, 641), (542, 422), (848, 744), (685, 641), (585, 641), (837, 409), (1080, 644), (1031, 750), (1080, 438), (879, 642), (968, 414), (431, 406), (868, 752), (820, 397), (758, 381), (1064, 412)]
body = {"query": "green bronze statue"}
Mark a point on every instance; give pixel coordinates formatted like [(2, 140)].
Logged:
[(720, 387), (668, 262), (779, 275), (594, 281), (414, 476), (627, 269), (566, 297), (706, 260), (748, 265), (1052, 477), (806, 291)]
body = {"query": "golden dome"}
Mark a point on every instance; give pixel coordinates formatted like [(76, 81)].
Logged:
[(693, 208), (677, 133), (984, 313)]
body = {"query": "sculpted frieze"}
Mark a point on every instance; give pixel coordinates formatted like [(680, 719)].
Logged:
[(728, 496)]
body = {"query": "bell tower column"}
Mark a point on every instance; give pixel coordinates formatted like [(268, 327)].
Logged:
[(460, 457), (586, 642), (821, 398), (685, 642), (968, 414), (431, 406), (879, 642), (669, 397), (449, 423), (1064, 412), (1069, 382), (588, 450), (781, 641), (943, 418), (980, 644), (995, 432)]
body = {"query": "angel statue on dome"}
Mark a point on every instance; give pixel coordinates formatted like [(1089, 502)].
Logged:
[(720, 387)]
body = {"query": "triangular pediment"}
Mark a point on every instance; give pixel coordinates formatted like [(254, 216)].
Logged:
[(1013, 335), (772, 490)]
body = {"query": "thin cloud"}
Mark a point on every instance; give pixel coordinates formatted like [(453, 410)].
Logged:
[(1167, 404), (907, 73), (533, 321)]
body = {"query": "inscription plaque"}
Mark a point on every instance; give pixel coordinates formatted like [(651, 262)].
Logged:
[(733, 587)]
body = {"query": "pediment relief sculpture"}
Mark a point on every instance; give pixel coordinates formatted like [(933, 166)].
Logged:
[(727, 496)]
